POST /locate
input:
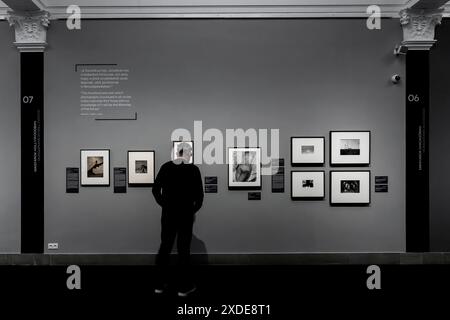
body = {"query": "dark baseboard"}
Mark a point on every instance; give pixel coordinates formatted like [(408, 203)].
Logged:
[(231, 259)]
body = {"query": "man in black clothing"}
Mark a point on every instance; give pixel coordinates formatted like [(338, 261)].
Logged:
[(178, 189)]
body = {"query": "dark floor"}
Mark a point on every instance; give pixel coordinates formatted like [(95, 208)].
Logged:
[(290, 291)]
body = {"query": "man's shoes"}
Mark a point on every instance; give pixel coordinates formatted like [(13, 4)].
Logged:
[(185, 292), (160, 289)]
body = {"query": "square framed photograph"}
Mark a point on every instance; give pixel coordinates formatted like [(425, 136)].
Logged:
[(350, 188), (94, 166), (307, 185), (244, 168), (141, 168), (176, 148), (350, 148), (307, 151)]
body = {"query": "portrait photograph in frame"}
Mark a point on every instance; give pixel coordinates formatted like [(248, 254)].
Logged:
[(350, 148), (350, 188), (307, 185), (307, 151), (141, 168), (244, 168), (95, 169), (175, 147)]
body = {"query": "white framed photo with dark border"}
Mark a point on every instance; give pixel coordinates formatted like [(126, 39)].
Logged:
[(175, 149), (350, 188), (244, 168), (350, 148), (307, 185), (94, 164), (307, 151), (141, 168)]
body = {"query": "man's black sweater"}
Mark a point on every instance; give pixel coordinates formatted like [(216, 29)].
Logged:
[(179, 186)]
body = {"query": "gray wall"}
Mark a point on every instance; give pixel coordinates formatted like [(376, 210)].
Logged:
[(439, 140), (305, 77), (9, 142)]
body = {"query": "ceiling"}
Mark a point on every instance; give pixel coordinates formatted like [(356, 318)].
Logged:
[(219, 8)]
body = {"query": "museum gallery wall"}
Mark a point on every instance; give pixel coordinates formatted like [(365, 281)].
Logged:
[(9, 143), (259, 74)]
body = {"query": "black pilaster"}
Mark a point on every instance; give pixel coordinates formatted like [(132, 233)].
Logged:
[(417, 162), (32, 151)]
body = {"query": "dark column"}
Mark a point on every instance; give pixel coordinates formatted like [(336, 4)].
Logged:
[(32, 151), (31, 35), (418, 38), (417, 150)]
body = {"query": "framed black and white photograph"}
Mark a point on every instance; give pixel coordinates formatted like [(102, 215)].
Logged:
[(244, 168), (307, 185), (141, 168), (94, 167), (307, 151), (349, 188), (350, 148), (177, 145)]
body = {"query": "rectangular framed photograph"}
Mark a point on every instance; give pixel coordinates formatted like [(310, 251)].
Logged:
[(307, 151), (94, 167), (307, 185), (244, 168), (177, 146), (350, 148), (141, 168), (350, 188)]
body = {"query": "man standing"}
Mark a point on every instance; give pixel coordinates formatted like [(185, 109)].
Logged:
[(178, 189)]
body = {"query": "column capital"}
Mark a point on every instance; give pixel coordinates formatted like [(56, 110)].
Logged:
[(30, 29), (419, 26)]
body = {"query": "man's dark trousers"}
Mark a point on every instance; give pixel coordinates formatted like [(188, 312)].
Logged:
[(175, 223)]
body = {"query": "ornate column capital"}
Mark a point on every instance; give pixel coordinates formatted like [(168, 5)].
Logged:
[(418, 27), (31, 30)]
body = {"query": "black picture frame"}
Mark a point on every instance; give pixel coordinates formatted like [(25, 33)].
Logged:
[(108, 174), (140, 185), (353, 164), (350, 204), (243, 188), (308, 198), (307, 164)]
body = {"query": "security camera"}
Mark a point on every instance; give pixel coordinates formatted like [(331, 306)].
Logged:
[(400, 50), (395, 78)]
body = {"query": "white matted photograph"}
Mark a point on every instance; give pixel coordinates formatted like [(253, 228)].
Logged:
[(94, 167), (307, 185), (141, 168), (350, 187), (244, 168), (178, 146), (307, 151), (350, 148)]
